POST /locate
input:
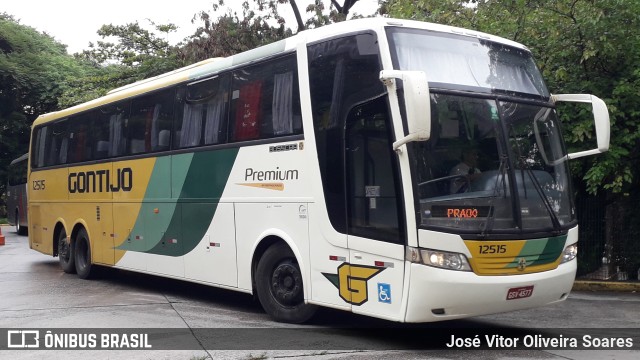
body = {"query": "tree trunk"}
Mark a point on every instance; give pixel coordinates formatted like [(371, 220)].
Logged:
[(296, 12)]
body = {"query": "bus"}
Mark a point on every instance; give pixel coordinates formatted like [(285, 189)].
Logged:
[(315, 171), (17, 194)]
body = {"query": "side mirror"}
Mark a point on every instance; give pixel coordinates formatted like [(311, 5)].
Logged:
[(417, 103), (600, 117)]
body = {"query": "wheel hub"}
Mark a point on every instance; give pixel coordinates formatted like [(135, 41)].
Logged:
[(286, 284)]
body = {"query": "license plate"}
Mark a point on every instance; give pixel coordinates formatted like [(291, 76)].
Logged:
[(519, 292)]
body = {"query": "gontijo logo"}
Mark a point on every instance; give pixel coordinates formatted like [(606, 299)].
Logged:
[(351, 281), (100, 181)]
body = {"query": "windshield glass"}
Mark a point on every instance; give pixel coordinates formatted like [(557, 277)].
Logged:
[(492, 167), (540, 165), (464, 62)]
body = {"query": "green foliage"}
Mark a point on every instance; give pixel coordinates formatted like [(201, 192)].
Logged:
[(447, 12), (231, 33), (34, 72), (320, 16), (136, 54), (135, 46)]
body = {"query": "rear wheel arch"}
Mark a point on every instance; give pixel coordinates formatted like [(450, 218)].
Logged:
[(259, 252), (56, 235)]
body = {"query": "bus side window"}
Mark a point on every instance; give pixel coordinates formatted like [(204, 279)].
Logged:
[(373, 201), (150, 117), (343, 74), (79, 150), (56, 144), (112, 120), (201, 117), (265, 101), (38, 147)]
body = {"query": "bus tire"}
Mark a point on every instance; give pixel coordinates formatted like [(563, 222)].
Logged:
[(66, 253), (279, 286), (84, 267), (21, 230)]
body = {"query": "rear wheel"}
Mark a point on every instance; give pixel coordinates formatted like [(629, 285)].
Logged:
[(21, 230), (84, 267), (279, 286), (65, 253)]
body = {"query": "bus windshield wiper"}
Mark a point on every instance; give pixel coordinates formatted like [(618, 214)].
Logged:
[(502, 172), (545, 200), (536, 184)]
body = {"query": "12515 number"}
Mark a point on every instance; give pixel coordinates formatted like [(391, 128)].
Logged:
[(493, 249), (38, 185)]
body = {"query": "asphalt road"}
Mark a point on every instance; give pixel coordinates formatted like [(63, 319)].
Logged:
[(36, 294)]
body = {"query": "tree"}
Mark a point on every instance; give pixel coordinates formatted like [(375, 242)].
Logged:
[(230, 34), (137, 54), (336, 13), (34, 72), (257, 25)]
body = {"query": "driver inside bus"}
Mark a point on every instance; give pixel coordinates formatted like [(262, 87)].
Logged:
[(467, 170)]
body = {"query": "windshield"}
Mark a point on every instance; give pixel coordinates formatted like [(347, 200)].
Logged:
[(466, 63), (492, 167)]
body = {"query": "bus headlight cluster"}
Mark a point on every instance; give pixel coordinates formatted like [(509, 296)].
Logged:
[(569, 253), (438, 258)]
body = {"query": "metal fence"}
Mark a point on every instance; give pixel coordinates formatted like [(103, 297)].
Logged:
[(619, 258)]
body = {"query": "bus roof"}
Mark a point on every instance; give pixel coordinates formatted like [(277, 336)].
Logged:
[(212, 66)]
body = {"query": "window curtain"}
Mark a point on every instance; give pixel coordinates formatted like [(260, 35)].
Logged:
[(191, 130), (64, 147), (447, 63), (40, 150), (441, 66), (116, 140), (282, 103), (213, 120), (248, 111), (155, 129), (338, 90)]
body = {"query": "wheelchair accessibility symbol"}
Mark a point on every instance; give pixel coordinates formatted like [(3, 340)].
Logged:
[(384, 293)]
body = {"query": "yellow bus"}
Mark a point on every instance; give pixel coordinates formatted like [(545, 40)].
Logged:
[(324, 170)]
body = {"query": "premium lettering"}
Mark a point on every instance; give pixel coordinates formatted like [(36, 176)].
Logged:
[(270, 175), (100, 181)]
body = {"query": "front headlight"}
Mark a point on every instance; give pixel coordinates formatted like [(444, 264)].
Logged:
[(569, 253), (438, 258)]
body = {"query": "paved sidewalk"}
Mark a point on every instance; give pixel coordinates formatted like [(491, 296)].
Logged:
[(595, 285)]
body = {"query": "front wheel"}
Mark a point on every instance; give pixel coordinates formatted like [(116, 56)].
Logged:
[(84, 267), (279, 286)]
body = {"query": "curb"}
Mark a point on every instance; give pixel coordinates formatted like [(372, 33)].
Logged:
[(591, 285)]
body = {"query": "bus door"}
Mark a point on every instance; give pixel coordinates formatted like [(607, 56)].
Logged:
[(375, 219), (360, 179)]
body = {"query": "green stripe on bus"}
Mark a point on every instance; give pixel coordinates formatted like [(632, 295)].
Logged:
[(540, 251), (174, 227), (157, 189), (204, 183), (551, 251)]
